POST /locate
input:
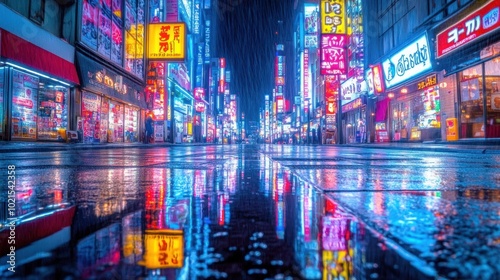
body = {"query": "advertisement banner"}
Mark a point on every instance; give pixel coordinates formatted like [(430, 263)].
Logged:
[(409, 62), (167, 41), (477, 24), (333, 17), (333, 57), (311, 22)]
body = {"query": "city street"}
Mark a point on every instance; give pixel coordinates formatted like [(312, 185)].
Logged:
[(253, 212)]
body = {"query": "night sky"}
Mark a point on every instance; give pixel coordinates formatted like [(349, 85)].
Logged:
[(246, 38)]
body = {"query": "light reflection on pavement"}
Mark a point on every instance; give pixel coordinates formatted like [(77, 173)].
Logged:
[(232, 212)]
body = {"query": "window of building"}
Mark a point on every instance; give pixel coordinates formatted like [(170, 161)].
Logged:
[(115, 29), (37, 11)]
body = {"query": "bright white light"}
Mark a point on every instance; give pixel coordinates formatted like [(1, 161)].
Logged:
[(36, 73)]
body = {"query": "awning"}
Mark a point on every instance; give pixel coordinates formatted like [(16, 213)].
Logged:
[(381, 112), (26, 53)]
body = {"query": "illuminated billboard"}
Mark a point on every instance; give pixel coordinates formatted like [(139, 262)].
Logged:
[(167, 41), (311, 22), (333, 56), (333, 17), (409, 62)]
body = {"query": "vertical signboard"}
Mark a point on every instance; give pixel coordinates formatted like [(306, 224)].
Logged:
[(207, 42), (196, 17), (333, 17), (306, 74), (222, 75), (333, 58)]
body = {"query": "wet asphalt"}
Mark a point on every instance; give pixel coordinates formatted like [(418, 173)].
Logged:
[(258, 212)]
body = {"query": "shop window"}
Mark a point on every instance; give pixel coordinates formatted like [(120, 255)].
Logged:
[(52, 111), (492, 77), (91, 118), (471, 103), (24, 105)]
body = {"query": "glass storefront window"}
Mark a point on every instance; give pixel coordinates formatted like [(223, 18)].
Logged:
[(116, 121), (471, 102), (52, 111), (104, 120), (428, 109), (91, 117), (24, 105), (492, 77), (131, 124)]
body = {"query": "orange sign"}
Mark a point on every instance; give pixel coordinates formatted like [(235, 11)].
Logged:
[(167, 41)]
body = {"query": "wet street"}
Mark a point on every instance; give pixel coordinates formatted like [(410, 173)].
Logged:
[(252, 212)]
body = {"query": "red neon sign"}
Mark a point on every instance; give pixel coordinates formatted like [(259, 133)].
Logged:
[(478, 23)]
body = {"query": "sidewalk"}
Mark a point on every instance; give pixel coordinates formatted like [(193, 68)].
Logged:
[(483, 146)]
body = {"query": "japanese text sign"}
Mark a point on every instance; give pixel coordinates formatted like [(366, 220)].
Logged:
[(475, 25), (167, 41), (333, 54), (333, 17)]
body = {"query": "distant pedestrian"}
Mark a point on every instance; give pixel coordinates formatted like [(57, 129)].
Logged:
[(149, 128)]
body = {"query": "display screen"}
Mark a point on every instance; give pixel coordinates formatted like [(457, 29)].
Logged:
[(24, 105)]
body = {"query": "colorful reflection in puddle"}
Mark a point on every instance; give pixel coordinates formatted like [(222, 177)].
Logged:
[(247, 218)]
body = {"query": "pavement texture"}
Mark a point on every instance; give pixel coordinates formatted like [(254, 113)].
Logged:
[(490, 146)]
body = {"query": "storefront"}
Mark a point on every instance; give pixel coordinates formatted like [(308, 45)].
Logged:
[(353, 100), (110, 104), (182, 102), (472, 61), (35, 87), (414, 103), (416, 112), (354, 121)]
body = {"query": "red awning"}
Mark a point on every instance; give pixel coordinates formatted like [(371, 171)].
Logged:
[(22, 51), (381, 112)]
